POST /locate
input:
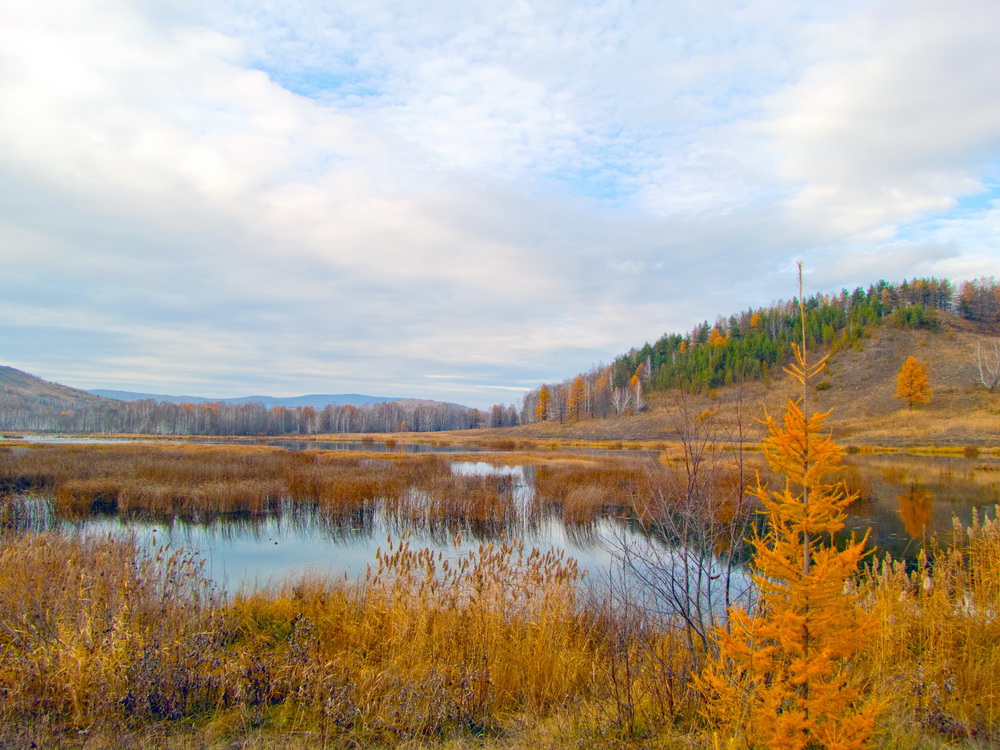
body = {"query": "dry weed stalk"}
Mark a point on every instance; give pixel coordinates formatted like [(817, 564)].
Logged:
[(937, 659)]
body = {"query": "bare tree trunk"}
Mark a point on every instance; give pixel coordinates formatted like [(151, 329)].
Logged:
[(989, 366)]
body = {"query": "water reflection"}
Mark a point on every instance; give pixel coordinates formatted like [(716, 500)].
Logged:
[(916, 510), (903, 500), (906, 501), (376, 446), (254, 551), (27, 513)]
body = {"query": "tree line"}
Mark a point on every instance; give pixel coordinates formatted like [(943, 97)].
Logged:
[(749, 346), (150, 417)]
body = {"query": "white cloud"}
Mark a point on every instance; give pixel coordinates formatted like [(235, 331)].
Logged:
[(237, 195), (898, 120)]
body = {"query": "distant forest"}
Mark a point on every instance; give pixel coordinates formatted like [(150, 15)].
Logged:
[(754, 344), (149, 417)]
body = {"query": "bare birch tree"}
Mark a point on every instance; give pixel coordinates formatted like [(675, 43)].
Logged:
[(989, 365)]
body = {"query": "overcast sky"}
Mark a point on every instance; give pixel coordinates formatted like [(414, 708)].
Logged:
[(459, 200)]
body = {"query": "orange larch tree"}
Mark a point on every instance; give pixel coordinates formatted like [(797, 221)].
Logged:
[(782, 675), (542, 406), (912, 383), (577, 399)]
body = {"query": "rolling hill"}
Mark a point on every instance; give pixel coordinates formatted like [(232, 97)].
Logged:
[(317, 400), (16, 385), (859, 383)]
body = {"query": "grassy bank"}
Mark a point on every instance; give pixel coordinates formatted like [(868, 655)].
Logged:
[(106, 645)]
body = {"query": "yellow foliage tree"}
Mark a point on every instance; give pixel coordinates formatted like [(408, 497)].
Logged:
[(577, 399), (781, 676), (542, 405), (912, 383), (717, 340)]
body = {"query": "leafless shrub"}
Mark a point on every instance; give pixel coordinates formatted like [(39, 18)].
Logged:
[(680, 564)]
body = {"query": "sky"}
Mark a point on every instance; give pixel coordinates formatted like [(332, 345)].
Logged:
[(461, 200)]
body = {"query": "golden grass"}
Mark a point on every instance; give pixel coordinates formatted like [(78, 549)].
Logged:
[(91, 630), (937, 661), (101, 637), (197, 481), (97, 634), (583, 493)]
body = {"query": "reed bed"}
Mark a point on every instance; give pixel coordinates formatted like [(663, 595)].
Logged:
[(635, 489), (97, 631), (200, 482), (937, 661), (458, 497), (163, 480), (454, 644), (584, 493), (100, 638)]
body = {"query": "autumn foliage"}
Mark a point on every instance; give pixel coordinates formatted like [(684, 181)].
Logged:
[(542, 407), (912, 383), (577, 401), (782, 677)]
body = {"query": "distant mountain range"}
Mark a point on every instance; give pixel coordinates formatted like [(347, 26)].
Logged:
[(316, 400), (15, 384), (32, 404)]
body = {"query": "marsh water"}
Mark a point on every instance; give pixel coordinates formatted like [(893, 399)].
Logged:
[(904, 500)]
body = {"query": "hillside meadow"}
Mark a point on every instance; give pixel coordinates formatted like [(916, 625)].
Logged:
[(857, 387)]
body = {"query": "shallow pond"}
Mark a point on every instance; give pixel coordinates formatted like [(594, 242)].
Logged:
[(902, 499)]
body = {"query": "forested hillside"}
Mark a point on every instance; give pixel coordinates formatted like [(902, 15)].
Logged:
[(756, 344)]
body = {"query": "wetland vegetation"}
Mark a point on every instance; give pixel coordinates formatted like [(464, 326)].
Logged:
[(459, 632)]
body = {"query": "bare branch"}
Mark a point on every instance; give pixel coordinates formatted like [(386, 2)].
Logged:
[(989, 366)]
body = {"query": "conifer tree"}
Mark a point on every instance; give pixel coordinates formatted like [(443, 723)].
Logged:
[(577, 400), (912, 383), (781, 676), (542, 408)]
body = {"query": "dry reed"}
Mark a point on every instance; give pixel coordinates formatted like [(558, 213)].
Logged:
[(98, 636), (937, 660), (586, 492)]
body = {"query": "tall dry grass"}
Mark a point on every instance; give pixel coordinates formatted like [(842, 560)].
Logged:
[(584, 493), (98, 636), (163, 480), (425, 646), (937, 660), (95, 631)]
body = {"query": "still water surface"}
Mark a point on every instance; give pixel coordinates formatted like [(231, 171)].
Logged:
[(903, 500)]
